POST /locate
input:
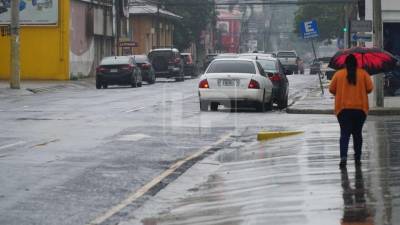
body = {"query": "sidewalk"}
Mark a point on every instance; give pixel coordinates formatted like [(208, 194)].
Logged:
[(33, 87), (288, 181), (316, 103)]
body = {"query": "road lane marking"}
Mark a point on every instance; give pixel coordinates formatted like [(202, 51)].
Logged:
[(133, 137), (12, 145), (135, 109), (144, 189)]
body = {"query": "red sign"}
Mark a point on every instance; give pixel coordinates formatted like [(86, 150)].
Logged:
[(130, 44)]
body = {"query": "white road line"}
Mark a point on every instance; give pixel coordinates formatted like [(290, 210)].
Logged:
[(144, 189), (12, 145), (134, 110), (133, 137)]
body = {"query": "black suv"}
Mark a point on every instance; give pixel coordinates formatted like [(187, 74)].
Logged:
[(167, 63)]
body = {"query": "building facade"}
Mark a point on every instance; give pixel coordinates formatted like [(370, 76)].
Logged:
[(228, 31), (391, 24), (65, 39), (151, 26)]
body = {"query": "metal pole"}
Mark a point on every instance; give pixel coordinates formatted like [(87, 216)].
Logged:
[(14, 59), (158, 25), (319, 72), (378, 42)]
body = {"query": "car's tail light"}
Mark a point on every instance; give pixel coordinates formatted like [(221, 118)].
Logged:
[(254, 84), (146, 66), (204, 84), (276, 77), (127, 67), (101, 69), (177, 60)]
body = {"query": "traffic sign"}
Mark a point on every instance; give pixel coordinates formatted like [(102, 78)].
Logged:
[(361, 26), (362, 37), (129, 44), (309, 29)]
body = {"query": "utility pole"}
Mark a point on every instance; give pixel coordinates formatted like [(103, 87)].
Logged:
[(14, 58), (378, 42)]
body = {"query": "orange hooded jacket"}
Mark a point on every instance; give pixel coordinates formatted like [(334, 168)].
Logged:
[(348, 96)]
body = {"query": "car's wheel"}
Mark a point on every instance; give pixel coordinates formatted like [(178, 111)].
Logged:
[(283, 102), (152, 79), (203, 106), (139, 84), (260, 106), (98, 84), (105, 85), (214, 106), (134, 82), (181, 77), (268, 105)]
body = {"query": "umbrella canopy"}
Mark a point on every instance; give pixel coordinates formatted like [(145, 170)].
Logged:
[(373, 60)]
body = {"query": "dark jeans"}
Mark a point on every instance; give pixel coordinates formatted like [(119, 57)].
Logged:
[(351, 123)]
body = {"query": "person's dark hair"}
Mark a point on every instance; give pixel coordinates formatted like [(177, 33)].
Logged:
[(351, 66)]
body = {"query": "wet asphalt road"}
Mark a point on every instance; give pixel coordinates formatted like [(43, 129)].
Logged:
[(68, 155)]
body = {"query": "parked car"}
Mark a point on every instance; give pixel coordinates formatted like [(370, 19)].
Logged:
[(189, 67), (167, 63), (118, 70), (208, 59), (256, 54), (392, 82), (325, 69), (277, 74), (146, 68), (288, 60), (315, 67), (235, 82)]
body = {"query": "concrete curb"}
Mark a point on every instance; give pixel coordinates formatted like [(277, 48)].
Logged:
[(373, 112), (264, 135)]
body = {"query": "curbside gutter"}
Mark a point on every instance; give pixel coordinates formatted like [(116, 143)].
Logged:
[(391, 111)]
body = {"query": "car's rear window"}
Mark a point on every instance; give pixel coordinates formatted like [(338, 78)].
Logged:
[(232, 66), (155, 54), (119, 60), (141, 59), (286, 55), (268, 65)]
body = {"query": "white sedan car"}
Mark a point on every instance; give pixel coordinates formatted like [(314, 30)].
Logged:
[(235, 82)]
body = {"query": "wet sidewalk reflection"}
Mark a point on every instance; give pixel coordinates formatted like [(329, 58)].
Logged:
[(355, 211), (292, 181)]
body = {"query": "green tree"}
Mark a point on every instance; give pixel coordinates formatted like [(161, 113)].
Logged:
[(329, 17), (197, 15)]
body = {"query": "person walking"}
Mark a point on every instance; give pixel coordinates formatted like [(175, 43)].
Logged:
[(351, 87)]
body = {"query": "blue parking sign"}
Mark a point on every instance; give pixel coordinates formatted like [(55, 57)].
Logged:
[(309, 29)]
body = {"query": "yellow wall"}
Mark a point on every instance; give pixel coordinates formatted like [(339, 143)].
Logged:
[(44, 50)]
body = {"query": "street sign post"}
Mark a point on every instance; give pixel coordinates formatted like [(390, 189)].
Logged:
[(361, 26), (361, 37), (309, 30)]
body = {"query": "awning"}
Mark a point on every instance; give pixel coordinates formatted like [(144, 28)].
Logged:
[(147, 9)]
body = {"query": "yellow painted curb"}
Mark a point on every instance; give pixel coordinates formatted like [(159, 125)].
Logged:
[(264, 135)]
